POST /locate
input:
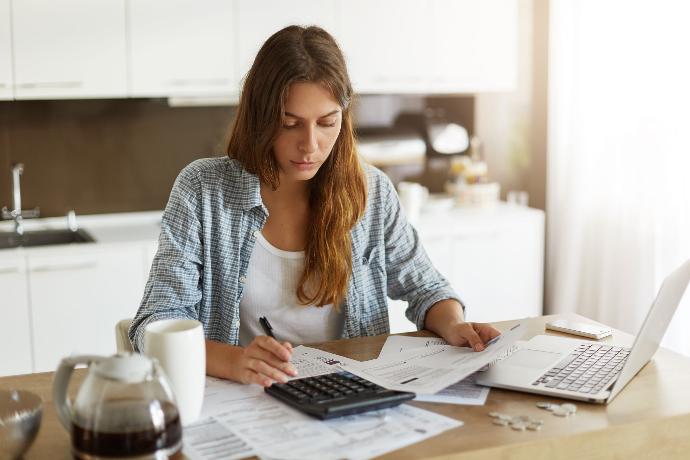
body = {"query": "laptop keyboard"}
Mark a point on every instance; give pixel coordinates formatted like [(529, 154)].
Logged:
[(588, 369)]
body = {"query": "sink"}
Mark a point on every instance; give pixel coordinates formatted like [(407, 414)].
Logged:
[(43, 238)]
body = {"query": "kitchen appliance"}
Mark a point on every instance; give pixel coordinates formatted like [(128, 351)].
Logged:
[(124, 408)]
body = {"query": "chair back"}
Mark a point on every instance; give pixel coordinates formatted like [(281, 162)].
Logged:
[(122, 336)]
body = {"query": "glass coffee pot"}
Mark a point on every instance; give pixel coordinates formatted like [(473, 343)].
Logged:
[(124, 408)]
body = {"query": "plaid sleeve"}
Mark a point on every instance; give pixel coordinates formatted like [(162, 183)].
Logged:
[(410, 274), (173, 289)]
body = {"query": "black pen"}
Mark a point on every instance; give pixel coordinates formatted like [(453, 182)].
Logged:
[(266, 326)]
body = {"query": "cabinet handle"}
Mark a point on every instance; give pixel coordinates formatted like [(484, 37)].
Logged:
[(8, 270), (200, 81), (50, 84), (62, 267)]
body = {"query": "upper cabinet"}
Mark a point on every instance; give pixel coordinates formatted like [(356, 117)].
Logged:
[(431, 46), (69, 49), (259, 19), (474, 45), (387, 45), (6, 86), (183, 48), (162, 48)]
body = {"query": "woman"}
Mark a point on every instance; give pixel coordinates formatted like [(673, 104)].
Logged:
[(290, 226)]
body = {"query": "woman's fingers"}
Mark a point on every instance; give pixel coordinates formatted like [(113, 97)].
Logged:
[(262, 367), (272, 345), (486, 331), (271, 360)]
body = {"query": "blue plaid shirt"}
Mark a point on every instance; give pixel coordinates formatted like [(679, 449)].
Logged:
[(207, 238)]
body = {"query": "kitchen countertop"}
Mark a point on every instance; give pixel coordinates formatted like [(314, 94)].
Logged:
[(104, 228)]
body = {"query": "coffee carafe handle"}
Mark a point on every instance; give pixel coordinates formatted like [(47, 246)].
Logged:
[(62, 377)]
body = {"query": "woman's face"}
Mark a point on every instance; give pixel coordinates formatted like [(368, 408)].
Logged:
[(310, 127)]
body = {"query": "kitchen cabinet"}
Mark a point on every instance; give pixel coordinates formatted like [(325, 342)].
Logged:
[(387, 45), (259, 19), (69, 49), (474, 45), (15, 327), (493, 257), (77, 297), (183, 48), (432, 46), (6, 80)]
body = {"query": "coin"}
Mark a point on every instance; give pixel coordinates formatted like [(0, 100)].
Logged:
[(561, 412), (518, 426), (499, 422), (534, 427), (504, 417), (572, 408), (521, 418), (544, 405), (494, 414)]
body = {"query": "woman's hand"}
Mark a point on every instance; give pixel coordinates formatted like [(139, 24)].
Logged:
[(264, 361), (474, 335)]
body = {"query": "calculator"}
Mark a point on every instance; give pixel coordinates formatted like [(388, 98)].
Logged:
[(336, 395)]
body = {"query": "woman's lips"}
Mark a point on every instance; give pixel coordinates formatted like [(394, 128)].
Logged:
[(304, 165)]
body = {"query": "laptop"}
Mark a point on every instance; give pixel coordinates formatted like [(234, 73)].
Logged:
[(588, 370)]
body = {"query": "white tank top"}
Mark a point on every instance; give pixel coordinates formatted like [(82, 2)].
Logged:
[(270, 290)]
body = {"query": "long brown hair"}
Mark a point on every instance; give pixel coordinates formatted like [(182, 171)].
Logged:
[(338, 190)]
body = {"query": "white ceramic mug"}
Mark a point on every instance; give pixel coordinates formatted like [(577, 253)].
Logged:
[(178, 345)]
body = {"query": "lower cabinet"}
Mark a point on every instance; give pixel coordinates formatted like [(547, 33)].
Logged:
[(78, 295), (15, 326), (493, 258)]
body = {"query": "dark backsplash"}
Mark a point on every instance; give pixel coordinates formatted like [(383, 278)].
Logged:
[(120, 155), (101, 156)]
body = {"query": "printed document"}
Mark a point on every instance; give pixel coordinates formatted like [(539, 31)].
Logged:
[(465, 392), (429, 370), (242, 420)]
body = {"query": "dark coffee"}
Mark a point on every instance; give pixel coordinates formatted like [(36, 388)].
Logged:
[(129, 428)]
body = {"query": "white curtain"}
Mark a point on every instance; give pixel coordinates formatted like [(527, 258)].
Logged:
[(618, 180)]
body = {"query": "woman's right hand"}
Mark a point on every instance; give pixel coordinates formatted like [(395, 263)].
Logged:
[(264, 361)]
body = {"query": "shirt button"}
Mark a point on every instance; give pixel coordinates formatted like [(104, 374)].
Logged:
[(364, 260), (243, 279)]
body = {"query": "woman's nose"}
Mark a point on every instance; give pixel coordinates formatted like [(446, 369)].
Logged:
[(308, 143)]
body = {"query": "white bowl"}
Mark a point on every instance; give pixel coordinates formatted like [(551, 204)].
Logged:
[(20, 419)]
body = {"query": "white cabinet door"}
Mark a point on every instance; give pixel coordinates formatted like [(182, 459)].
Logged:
[(6, 85), (182, 48), (69, 49), (474, 45), (387, 45), (259, 19), (493, 258), (77, 297), (15, 330)]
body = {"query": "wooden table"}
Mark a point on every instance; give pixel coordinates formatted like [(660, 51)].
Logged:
[(650, 418)]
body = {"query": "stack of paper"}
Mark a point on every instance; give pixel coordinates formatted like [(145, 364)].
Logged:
[(433, 367)]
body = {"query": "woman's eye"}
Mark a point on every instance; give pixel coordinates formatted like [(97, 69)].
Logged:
[(289, 126), (328, 125)]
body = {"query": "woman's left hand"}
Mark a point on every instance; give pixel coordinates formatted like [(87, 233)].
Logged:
[(474, 335)]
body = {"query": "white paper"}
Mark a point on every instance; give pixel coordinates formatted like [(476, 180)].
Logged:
[(465, 392), (311, 362), (396, 344), (248, 418), (208, 439), (276, 430), (429, 370)]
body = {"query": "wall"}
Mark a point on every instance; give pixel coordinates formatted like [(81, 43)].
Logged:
[(513, 125), (98, 156)]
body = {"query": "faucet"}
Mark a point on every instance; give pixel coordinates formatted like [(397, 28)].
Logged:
[(16, 213)]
